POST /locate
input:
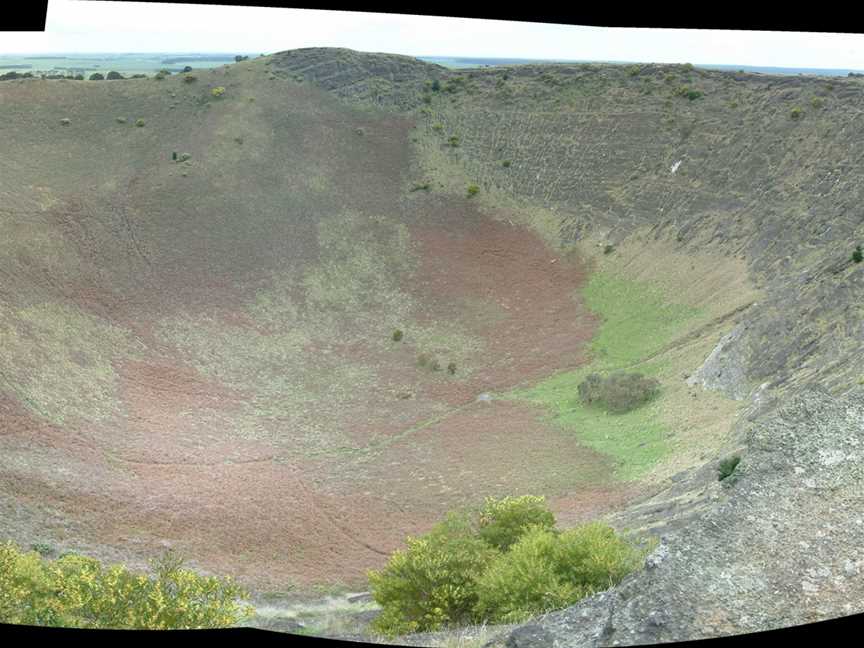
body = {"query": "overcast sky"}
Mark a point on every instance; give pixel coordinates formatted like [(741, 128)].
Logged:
[(75, 26)]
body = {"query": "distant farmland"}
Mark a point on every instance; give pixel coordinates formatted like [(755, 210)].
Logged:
[(146, 63)]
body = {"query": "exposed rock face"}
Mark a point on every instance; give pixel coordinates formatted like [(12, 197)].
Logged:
[(724, 369), (779, 545)]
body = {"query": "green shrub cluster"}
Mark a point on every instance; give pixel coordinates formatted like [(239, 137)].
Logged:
[(78, 592), (618, 392), (727, 467), (501, 564)]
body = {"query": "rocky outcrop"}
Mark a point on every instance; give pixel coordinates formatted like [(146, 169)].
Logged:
[(778, 545)]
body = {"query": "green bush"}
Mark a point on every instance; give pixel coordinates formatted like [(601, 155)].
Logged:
[(506, 164), (524, 581), (397, 335), (858, 254), (796, 113), (453, 141), (42, 549), (218, 91), (75, 591), (548, 570), (431, 584), (96, 76), (619, 392), (727, 467), (140, 123), (451, 368), (502, 522), (502, 565), (473, 190), (114, 76)]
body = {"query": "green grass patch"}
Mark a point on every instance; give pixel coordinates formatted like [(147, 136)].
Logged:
[(637, 322)]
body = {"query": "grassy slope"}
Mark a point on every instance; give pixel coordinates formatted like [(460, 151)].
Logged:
[(637, 320)]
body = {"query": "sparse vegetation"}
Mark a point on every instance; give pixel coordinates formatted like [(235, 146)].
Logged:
[(618, 392), (817, 102), (727, 467), (42, 549), (501, 564), (79, 592)]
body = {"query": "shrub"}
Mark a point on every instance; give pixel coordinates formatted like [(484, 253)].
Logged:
[(858, 254), (96, 77), (506, 164), (218, 91), (451, 368), (121, 120), (453, 141), (423, 360), (431, 584), (727, 467), (547, 570), (796, 113), (473, 190), (140, 122), (434, 365), (422, 187), (500, 566), (190, 78), (817, 102), (437, 127), (397, 335), (187, 68), (608, 249), (42, 549), (75, 591), (502, 522), (436, 86), (113, 76), (65, 121), (619, 392), (524, 581)]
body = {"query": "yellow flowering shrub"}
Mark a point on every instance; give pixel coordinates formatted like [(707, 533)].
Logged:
[(76, 591)]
